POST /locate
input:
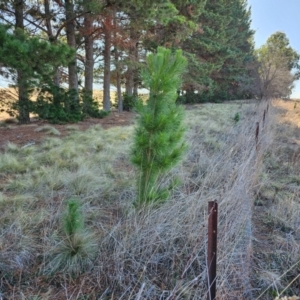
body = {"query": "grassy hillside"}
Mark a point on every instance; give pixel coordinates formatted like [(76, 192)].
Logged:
[(157, 253)]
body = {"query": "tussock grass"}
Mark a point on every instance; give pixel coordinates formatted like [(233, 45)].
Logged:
[(154, 253), (11, 163), (72, 127), (11, 147), (48, 129), (72, 256)]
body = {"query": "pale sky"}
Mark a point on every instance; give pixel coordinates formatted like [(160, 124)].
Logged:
[(269, 16)]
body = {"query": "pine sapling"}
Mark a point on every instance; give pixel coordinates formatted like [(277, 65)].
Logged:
[(236, 117), (73, 219), (75, 253), (158, 144)]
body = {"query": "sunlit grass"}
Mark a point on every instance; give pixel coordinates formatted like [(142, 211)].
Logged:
[(278, 207), (48, 129)]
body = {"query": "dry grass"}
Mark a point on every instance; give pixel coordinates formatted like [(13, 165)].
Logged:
[(48, 129), (277, 210), (156, 253)]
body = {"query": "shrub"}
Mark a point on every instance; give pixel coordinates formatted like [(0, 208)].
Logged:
[(90, 107), (129, 102), (190, 98), (57, 105)]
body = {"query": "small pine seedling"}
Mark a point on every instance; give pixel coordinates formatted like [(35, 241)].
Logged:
[(236, 117), (73, 219), (77, 250)]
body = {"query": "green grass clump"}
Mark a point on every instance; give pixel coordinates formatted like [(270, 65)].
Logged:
[(11, 163)]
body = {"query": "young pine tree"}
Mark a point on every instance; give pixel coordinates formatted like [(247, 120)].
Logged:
[(78, 247), (158, 141)]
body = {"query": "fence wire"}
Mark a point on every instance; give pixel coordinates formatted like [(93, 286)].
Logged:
[(161, 253)]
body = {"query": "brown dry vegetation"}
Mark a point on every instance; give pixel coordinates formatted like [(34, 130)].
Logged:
[(276, 217), (159, 252)]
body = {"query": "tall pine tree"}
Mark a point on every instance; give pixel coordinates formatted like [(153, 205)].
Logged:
[(220, 53)]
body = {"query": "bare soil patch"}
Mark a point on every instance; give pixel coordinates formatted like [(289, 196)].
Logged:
[(25, 134)]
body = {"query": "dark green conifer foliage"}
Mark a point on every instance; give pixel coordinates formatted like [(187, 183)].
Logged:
[(73, 220), (220, 55), (158, 141), (36, 59), (235, 76)]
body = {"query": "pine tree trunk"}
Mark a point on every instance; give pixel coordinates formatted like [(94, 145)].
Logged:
[(129, 81), (52, 39), (119, 92), (89, 53), (117, 65), (106, 56), (89, 62), (72, 67), (135, 88), (136, 72), (48, 21), (23, 102), (132, 72)]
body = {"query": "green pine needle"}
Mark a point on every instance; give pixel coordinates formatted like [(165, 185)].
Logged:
[(158, 142)]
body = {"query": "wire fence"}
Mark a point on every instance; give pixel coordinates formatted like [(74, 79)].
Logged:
[(161, 252), (167, 246), (235, 222)]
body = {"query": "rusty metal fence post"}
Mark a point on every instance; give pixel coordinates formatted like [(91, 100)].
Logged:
[(212, 248), (264, 117), (256, 134)]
